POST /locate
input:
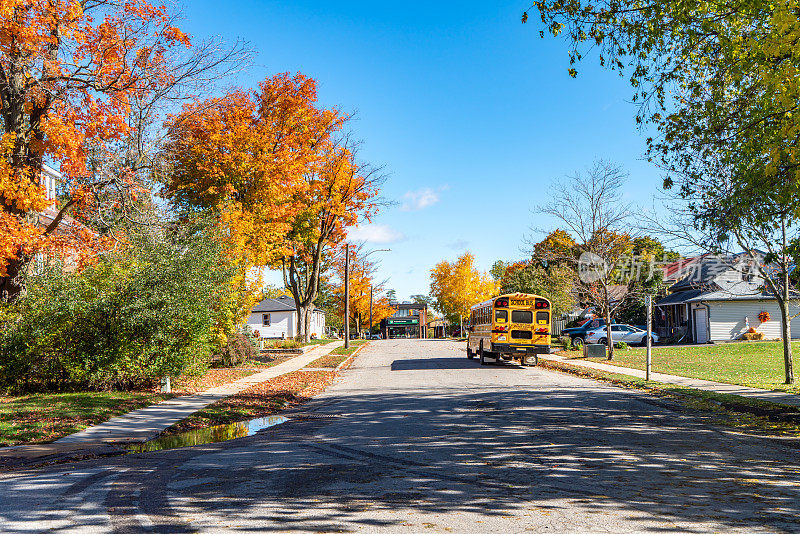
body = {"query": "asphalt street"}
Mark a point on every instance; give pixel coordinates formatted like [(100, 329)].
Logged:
[(415, 437)]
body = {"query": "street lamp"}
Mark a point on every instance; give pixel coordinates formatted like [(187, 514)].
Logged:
[(370, 288), (347, 292)]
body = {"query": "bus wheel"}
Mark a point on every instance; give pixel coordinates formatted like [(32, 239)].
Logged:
[(482, 355), (470, 354)]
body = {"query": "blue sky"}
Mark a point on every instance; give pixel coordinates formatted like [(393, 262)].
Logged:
[(471, 114)]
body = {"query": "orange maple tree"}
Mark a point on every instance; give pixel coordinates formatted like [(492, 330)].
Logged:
[(69, 70), (241, 156), (273, 163)]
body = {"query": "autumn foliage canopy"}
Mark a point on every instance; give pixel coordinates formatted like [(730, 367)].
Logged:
[(278, 170), (69, 70)]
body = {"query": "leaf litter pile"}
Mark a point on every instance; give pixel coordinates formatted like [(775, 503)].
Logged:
[(260, 400)]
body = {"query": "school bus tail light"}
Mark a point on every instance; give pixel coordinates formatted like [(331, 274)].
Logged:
[(501, 303)]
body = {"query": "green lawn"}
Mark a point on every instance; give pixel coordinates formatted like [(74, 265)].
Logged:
[(754, 364), (48, 416), (320, 341), (354, 344)]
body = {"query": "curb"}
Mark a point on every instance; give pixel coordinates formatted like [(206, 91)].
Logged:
[(350, 358)]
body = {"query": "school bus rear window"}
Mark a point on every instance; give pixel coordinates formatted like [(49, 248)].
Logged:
[(501, 316), (542, 317), (521, 316)]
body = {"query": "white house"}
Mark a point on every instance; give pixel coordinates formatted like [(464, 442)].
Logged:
[(277, 318), (719, 299)]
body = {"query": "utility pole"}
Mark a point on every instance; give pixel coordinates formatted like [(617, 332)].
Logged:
[(370, 309), (346, 296), (648, 302)]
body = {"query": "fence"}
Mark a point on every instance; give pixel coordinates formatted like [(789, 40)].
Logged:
[(557, 326)]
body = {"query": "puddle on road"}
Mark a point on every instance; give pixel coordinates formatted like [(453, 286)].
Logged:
[(212, 434)]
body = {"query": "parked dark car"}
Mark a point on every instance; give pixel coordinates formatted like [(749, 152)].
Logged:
[(578, 333)]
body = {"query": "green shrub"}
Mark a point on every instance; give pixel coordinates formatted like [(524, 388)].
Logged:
[(620, 345), (139, 314), (566, 342), (238, 350)]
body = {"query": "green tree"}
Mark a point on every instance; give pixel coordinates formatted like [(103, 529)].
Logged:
[(422, 299), (498, 270), (719, 82), (555, 283)]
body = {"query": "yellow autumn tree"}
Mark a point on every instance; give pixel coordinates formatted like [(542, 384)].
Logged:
[(457, 286)]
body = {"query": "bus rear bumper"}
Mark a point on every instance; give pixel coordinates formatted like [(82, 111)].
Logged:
[(514, 349)]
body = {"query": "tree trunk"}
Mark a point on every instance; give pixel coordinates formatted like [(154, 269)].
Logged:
[(783, 303), (303, 313), (786, 321), (609, 339), (11, 285), (786, 334)]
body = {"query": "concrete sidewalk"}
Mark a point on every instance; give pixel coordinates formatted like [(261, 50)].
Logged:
[(144, 423), (695, 383)]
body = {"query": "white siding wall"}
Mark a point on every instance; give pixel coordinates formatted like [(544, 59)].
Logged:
[(727, 319), (281, 324), (318, 324)]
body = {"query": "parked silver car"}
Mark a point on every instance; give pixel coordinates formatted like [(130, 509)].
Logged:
[(620, 332)]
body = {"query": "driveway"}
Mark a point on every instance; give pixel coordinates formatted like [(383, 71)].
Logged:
[(417, 438)]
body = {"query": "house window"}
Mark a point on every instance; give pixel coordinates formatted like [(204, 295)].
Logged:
[(265, 319)]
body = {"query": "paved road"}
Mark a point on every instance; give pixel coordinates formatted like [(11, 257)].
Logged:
[(416, 438)]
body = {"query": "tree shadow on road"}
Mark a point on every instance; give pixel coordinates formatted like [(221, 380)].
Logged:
[(570, 454)]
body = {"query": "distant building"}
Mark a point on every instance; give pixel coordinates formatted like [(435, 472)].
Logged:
[(277, 319), (408, 321)]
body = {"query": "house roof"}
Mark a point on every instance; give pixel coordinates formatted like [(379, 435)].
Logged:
[(680, 297), (727, 295), (701, 273), (677, 269), (282, 303)]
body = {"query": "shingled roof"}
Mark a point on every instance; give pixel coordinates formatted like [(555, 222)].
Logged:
[(282, 303)]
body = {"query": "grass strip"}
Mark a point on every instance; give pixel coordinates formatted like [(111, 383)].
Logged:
[(757, 364), (722, 408), (354, 344), (329, 360), (45, 417)]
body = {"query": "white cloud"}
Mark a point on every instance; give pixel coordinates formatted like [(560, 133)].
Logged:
[(375, 233), (458, 244), (421, 198)]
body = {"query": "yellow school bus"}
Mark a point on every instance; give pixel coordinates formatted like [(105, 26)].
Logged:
[(510, 327)]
